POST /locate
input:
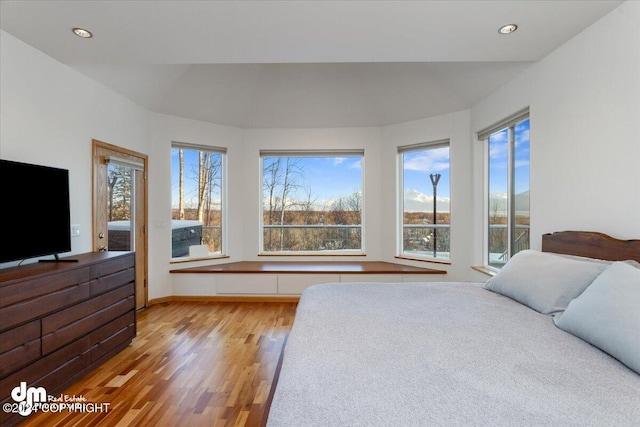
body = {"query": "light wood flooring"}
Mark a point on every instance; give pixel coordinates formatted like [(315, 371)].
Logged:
[(191, 364)]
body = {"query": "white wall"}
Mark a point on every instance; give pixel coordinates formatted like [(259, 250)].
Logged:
[(49, 114), (164, 130), (584, 103)]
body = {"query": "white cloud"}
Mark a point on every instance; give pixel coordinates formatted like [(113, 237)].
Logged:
[(337, 161), (431, 161), (522, 137), (499, 137), (357, 164), (498, 149)]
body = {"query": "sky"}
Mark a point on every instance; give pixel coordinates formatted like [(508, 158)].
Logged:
[(419, 165), (328, 178), (498, 159)]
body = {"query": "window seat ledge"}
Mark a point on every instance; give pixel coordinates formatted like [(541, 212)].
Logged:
[(308, 267)]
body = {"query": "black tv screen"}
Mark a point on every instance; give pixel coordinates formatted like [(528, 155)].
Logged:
[(35, 211)]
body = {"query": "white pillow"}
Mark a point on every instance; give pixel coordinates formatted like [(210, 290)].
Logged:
[(544, 281), (607, 314)]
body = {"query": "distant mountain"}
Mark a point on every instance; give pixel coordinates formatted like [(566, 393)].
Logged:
[(522, 201), (415, 201), (498, 203)]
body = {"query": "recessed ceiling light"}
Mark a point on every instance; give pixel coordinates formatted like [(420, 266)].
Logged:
[(507, 29), (81, 32)]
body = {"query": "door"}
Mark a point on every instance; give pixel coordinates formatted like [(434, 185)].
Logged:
[(120, 207)]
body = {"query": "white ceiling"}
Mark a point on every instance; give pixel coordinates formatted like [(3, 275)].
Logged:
[(256, 64)]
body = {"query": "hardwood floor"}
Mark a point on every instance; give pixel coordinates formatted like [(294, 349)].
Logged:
[(192, 363)]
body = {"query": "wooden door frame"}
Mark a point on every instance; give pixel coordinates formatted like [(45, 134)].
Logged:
[(141, 211)]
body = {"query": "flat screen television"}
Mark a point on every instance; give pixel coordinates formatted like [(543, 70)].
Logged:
[(35, 217)]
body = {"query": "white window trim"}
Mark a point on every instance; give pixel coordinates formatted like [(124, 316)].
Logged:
[(485, 215), (223, 199), (483, 136), (400, 198), (311, 153)]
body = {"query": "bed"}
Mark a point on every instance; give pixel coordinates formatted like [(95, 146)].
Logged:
[(500, 353)]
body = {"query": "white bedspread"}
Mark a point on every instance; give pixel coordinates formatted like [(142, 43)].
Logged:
[(442, 354)]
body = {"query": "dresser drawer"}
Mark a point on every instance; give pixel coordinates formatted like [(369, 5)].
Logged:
[(19, 346), (112, 281), (113, 335), (19, 291), (27, 309), (51, 370), (63, 327), (113, 265)]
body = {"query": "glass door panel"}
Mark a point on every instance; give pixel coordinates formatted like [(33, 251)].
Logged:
[(120, 210)]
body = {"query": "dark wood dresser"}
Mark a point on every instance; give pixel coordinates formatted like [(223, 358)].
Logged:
[(60, 320)]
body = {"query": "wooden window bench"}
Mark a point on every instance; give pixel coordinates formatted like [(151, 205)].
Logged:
[(286, 279)]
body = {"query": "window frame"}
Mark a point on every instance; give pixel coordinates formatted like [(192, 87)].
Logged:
[(335, 153), (223, 253), (509, 124), (401, 150)]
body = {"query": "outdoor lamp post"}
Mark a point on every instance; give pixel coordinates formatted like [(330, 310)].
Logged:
[(435, 178)]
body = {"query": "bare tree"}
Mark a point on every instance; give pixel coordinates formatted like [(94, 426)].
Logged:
[(338, 211), (181, 185), (270, 181), (119, 185), (354, 205), (292, 171), (346, 209), (307, 205), (279, 182), (202, 183), (113, 179), (214, 177), (208, 169), (212, 165)]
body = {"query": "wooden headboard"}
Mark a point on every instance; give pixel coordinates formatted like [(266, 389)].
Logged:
[(592, 245)]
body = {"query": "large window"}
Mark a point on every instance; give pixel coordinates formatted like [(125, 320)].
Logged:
[(507, 207), (425, 201), (196, 199), (311, 202)]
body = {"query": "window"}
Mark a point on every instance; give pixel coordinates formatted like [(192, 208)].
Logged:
[(507, 207), (311, 202), (425, 202), (197, 196)]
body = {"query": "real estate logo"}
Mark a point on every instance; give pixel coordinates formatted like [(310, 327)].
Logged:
[(27, 400)]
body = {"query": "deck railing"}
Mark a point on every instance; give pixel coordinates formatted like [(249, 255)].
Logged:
[(418, 238), (498, 247), (430, 240), (212, 236), (312, 237)]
